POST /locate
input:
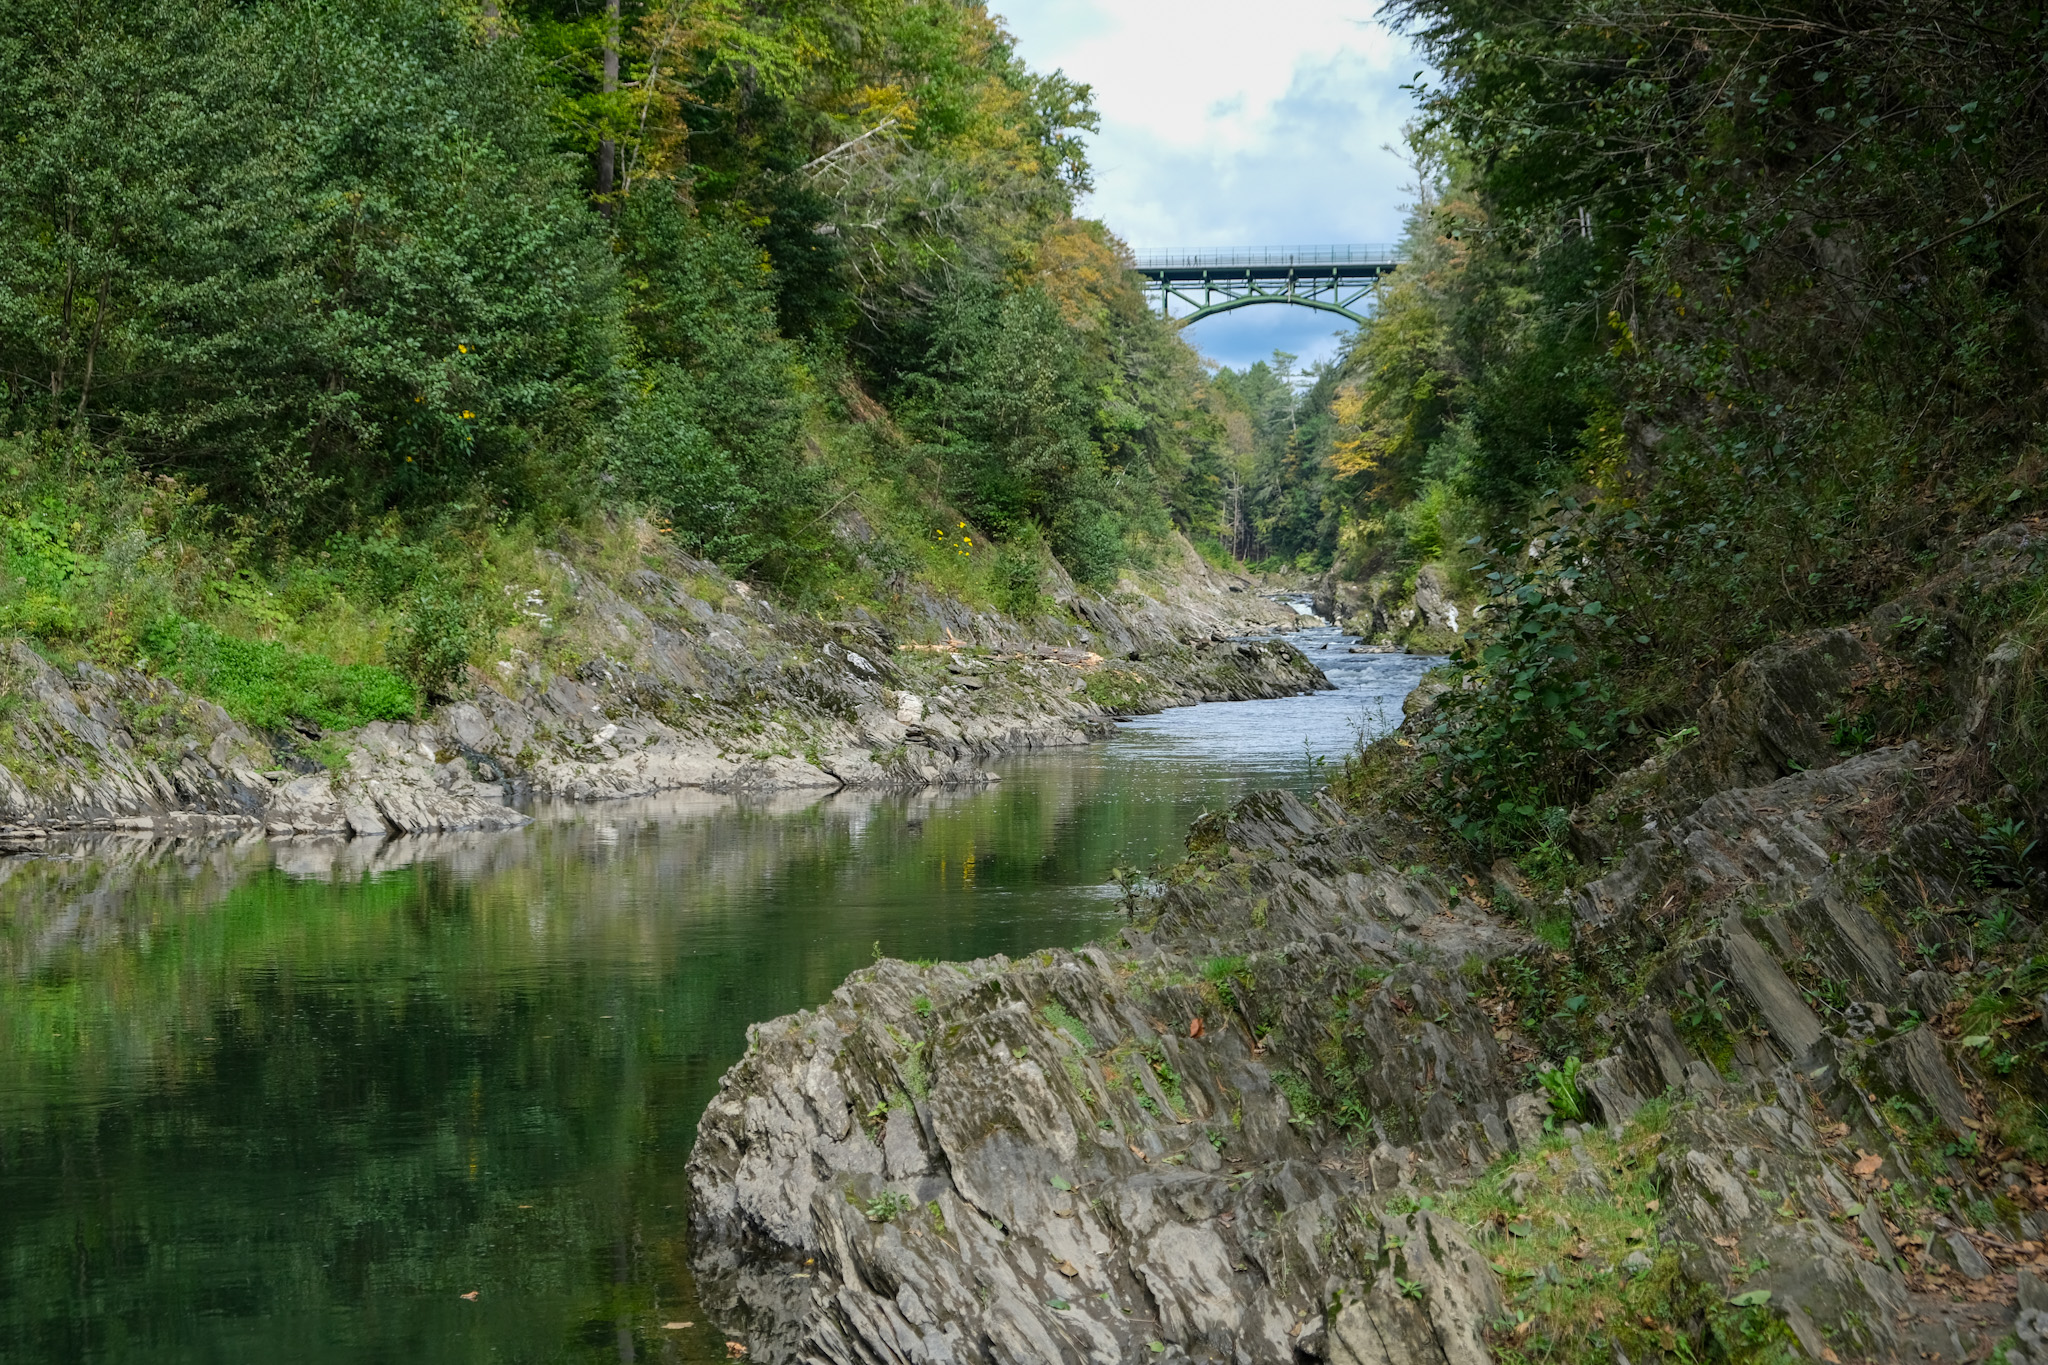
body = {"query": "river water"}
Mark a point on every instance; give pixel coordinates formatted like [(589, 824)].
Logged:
[(296, 1103)]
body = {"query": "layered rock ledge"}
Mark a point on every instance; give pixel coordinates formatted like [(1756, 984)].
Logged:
[(664, 680), (1244, 1131)]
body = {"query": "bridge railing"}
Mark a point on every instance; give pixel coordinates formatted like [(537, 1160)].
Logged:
[(1379, 253)]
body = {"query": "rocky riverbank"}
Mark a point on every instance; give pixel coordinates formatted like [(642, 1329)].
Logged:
[(665, 676), (1418, 613), (1771, 1073)]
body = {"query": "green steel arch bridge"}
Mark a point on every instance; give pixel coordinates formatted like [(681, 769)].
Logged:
[(1335, 279)]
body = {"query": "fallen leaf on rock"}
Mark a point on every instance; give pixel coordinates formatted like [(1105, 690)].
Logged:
[(1137, 1151), (471, 1295), (1069, 1269), (676, 1326), (1194, 1028)]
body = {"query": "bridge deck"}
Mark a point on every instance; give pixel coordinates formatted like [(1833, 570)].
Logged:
[(1268, 263), (1335, 279)]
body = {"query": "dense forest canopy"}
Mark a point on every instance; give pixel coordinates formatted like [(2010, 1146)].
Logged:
[(1722, 322), (798, 280)]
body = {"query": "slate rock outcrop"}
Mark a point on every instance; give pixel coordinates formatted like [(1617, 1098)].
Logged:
[(1216, 1138), (661, 689)]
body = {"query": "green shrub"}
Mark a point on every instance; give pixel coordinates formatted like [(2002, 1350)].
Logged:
[(1014, 582), (441, 631), (296, 299), (1060, 1018), (1002, 403), (712, 435), (1304, 1106), (1534, 707), (271, 685), (885, 1207)]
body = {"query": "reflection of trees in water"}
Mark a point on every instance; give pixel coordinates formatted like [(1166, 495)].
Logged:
[(133, 932), (323, 1167), (122, 951), (317, 1081)]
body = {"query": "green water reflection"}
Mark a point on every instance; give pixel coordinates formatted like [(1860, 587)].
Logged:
[(291, 1102)]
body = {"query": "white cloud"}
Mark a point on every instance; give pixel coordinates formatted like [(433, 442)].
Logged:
[(1232, 124)]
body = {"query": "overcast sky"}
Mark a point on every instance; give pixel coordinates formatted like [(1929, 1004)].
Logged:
[(1236, 123)]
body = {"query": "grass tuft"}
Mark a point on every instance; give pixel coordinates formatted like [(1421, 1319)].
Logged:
[(1560, 1241)]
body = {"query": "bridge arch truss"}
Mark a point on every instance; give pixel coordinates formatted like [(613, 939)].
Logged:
[(1335, 279)]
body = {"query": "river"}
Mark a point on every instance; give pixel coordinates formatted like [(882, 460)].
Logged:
[(430, 1100)]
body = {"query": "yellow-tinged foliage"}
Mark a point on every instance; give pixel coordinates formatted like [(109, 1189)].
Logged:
[(1084, 270)]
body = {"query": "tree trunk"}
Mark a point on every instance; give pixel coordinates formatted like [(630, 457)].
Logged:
[(92, 350), (606, 150)]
